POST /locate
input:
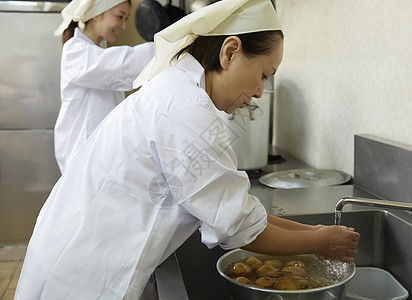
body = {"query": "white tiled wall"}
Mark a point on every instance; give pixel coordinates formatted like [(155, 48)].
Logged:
[(347, 69)]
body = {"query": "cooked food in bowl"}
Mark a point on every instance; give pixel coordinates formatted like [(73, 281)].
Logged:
[(301, 277), (283, 272)]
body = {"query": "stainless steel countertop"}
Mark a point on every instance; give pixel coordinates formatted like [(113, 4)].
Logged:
[(298, 201), (286, 202)]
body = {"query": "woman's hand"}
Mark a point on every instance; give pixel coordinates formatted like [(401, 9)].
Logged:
[(286, 237), (316, 227), (338, 243)]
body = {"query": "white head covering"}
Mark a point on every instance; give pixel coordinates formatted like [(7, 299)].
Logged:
[(82, 11), (226, 17)]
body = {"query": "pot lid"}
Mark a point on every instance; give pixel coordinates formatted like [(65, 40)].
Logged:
[(302, 178)]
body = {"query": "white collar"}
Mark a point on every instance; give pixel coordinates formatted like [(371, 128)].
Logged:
[(82, 35), (193, 68), (79, 33)]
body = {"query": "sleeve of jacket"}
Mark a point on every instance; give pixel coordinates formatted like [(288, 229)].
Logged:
[(112, 68), (195, 148)]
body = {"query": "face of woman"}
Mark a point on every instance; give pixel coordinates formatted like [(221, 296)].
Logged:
[(241, 78), (109, 24)]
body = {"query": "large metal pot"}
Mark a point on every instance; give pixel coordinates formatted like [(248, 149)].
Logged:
[(248, 131), (240, 291)]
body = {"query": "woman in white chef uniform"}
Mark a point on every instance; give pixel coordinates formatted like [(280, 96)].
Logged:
[(93, 78), (160, 167)]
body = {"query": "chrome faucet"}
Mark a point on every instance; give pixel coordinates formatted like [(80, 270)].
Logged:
[(369, 202)]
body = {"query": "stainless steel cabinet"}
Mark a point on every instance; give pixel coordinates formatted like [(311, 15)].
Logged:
[(29, 104)]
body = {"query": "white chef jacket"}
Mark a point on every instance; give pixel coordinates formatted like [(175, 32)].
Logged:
[(93, 81), (159, 167)]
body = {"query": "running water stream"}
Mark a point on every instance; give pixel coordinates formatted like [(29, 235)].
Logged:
[(338, 217)]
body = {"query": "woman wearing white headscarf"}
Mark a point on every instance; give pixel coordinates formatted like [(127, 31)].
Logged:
[(160, 167), (93, 78)]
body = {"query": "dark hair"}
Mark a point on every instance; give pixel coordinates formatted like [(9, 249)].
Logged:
[(69, 31), (206, 48)]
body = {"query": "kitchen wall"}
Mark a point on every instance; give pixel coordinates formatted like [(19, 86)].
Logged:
[(347, 69)]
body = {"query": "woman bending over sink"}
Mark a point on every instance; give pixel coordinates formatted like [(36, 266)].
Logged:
[(160, 167)]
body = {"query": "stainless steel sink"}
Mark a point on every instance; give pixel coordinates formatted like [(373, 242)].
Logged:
[(386, 240), (386, 243)]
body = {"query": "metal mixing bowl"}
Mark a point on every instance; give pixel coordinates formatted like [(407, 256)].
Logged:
[(240, 291)]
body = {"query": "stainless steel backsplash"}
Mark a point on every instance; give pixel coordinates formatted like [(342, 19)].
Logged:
[(383, 167)]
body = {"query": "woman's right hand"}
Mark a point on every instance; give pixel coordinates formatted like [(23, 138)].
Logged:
[(338, 243)]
